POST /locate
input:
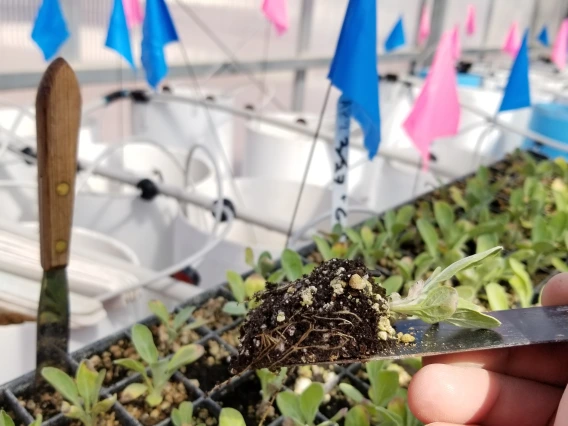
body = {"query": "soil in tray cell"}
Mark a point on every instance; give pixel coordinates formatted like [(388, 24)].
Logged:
[(299, 378), (231, 336), (123, 348), (202, 417), (165, 348), (174, 394), (212, 368), (246, 398), (108, 419), (212, 312), (46, 403)]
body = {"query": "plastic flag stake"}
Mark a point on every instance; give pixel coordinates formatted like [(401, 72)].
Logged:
[(396, 38), (50, 29), (517, 94), (118, 37), (436, 113), (276, 11)]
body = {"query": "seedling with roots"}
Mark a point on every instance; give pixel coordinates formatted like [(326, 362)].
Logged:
[(162, 369), (183, 416), (82, 394), (176, 325)]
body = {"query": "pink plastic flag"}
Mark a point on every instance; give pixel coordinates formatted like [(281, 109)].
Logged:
[(133, 12), (424, 29), (276, 11), (436, 113), (456, 43), (470, 20), (560, 47), (513, 41)]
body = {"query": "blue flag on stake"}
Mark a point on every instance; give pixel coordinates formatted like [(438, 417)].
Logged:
[(396, 37), (50, 29), (543, 36), (158, 31), (354, 68), (517, 93), (118, 37)]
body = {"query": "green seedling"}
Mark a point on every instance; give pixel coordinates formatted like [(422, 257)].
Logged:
[(6, 420), (162, 369), (292, 268), (271, 383), (385, 403), (302, 409), (174, 324), (478, 195), (433, 302), (82, 394), (243, 292), (183, 416), (263, 266)]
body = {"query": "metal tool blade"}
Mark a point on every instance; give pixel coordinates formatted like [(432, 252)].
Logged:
[(519, 327)]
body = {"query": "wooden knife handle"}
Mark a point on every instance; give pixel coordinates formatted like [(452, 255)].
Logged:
[(58, 119)]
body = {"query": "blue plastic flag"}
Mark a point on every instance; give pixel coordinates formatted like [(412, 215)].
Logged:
[(396, 37), (50, 29), (543, 36), (158, 31), (354, 68), (118, 37), (517, 93)]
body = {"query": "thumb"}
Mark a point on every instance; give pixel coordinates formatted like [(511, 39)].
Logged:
[(556, 293)]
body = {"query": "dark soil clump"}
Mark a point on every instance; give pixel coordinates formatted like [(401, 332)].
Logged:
[(48, 404), (334, 313), (204, 418), (209, 370)]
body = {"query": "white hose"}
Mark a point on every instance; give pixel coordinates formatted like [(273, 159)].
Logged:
[(112, 148)]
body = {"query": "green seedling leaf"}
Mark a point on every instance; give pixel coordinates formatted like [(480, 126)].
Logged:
[(289, 405), (444, 215), (87, 381), (249, 257), (234, 308), (276, 276), (270, 383), (540, 230), (429, 236), (160, 310), (486, 242), (185, 355), (393, 284), (383, 387), (236, 285), (497, 297), (254, 284), (389, 416), (144, 343), (465, 292), (131, 365), (323, 247), (543, 247), (183, 416), (468, 318), (231, 417), (405, 214), (357, 416), (154, 399), (104, 405), (368, 237), (559, 265), (292, 264), (521, 282), (309, 268), (182, 317), (132, 392), (62, 383), (353, 251), (310, 401), (38, 421), (5, 419), (397, 405), (353, 236), (351, 392), (74, 412), (439, 305), (398, 228), (465, 263)]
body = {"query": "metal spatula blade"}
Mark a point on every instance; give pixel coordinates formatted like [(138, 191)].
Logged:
[(519, 327), (58, 118)]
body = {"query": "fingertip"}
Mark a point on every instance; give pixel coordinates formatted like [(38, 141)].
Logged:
[(555, 291)]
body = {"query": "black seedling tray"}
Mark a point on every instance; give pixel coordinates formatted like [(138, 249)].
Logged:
[(200, 397)]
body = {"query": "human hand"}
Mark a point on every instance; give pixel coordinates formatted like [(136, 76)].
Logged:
[(501, 387)]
